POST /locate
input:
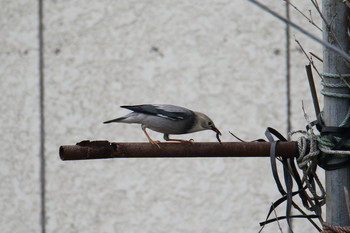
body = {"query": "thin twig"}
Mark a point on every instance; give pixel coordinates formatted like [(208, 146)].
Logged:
[(315, 56), (329, 28), (310, 59), (236, 136), (307, 118), (342, 78), (317, 7), (278, 222), (302, 30), (305, 16), (328, 25)]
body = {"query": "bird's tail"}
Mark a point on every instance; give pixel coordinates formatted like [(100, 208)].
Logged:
[(115, 120)]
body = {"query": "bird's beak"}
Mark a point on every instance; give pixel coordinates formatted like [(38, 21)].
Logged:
[(216, 130)]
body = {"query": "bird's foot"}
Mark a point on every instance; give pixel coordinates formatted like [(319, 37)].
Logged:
[(188, 141), (156, 143)]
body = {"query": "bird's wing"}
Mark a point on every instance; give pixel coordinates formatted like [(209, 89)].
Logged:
[(171, 112)]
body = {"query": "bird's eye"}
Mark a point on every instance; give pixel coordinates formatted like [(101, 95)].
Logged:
[(210, 123)]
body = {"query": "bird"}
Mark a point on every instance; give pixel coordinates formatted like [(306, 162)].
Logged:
[(166, 119)]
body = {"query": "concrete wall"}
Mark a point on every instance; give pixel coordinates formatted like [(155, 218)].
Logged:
[(224, 58)]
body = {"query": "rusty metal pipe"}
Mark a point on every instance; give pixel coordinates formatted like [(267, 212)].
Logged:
[(107, 150)]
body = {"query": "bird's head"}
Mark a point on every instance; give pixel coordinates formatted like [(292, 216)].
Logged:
[(203, 122)]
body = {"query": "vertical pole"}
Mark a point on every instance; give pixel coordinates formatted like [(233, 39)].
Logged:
[(288, 76), (42, 118), (336, 15), (289, 124)]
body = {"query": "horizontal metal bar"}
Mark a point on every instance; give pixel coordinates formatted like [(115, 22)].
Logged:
[(107, 150)]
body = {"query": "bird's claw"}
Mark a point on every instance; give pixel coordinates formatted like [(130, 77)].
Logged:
[(187, 141), (156, 143)]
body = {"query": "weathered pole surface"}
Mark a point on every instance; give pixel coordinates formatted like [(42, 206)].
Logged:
[(336, 15), (108, 150)]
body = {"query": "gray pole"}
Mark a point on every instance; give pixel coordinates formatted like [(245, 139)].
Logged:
[(336, 15)]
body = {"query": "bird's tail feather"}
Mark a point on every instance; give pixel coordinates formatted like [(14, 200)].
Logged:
[(115, 120)]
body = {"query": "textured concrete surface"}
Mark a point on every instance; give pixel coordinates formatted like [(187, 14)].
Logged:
[(224, 58), (19, 124)]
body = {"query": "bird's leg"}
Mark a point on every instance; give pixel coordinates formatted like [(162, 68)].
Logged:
[(149, 138), (166, 138)]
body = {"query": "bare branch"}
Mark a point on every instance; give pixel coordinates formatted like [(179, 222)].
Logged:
[(309, 58), (342, 78), (305, 16), (315, 56), (278, 222), (336, 49), (329, 27)]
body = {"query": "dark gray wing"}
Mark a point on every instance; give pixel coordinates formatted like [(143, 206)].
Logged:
[(171, 112)]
